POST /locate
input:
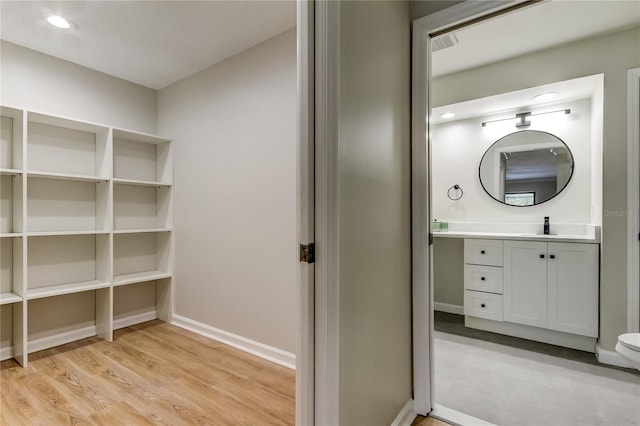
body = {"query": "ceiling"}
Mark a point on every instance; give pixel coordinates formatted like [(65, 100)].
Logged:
[(156, 43), (538, 27), (151, 43)]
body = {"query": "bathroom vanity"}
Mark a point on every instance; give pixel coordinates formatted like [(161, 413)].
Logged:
[(537, 287)]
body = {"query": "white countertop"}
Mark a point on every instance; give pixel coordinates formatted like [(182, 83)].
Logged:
[(514, 236), (524, 232)]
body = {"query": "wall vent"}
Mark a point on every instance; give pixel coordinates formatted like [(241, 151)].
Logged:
[(443, 42)]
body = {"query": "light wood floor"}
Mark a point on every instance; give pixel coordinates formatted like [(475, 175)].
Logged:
[(428, 421), (153, 373)]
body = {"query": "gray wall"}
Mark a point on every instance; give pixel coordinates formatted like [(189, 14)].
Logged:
[(33, 80), (420, 8), (234, 126), (612, 54), (374, 211), (448, 271)]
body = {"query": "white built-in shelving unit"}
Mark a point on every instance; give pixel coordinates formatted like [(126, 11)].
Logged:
[(86, 213)]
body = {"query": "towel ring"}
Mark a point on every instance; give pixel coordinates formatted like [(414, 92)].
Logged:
[(455, 193)]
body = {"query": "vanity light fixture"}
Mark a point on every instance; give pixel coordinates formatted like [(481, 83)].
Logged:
[(544, 97), (523, 117), (448, 115), (58, 21)]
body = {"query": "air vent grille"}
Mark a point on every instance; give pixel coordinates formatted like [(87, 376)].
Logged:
[(443, 42)]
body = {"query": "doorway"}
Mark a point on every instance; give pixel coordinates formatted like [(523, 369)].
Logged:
[(426, 97)]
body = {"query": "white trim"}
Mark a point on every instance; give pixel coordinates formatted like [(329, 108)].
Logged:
[(610, 357), (456, 418), (6, 353), (305, 349), (134, 319), (420, 188), (633, 196), (278, 356), (61, 339), (449, 308), (327, 337), (406, 416)]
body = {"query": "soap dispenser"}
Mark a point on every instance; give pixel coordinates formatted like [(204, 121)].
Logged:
[(546, 225)]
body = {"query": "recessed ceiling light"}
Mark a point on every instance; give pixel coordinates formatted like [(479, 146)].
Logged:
[(58, 21), (544, 97), (448, 115)]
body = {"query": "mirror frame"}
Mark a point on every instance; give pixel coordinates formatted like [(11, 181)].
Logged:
[(573, 166)]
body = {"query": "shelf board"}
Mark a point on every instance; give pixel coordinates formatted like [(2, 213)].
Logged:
[(10, 235), (65, 176), (6, 298), (10, 172), (139, 182), (63, 233), (139, 277), (57, 290), (140, 231)]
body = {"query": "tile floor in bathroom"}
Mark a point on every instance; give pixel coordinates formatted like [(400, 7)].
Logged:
[(509, 381)]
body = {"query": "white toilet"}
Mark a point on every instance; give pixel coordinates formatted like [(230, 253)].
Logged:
[(629, 348)]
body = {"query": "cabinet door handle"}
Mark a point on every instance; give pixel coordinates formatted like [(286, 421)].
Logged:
[(481, 278), (552, 256), (542, 256), (481, 251), (482, 305)]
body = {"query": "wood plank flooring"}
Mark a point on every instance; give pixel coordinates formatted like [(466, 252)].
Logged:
[(151, 374), (428, 421)]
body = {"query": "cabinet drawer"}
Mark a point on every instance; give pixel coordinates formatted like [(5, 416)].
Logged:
[(483, 252), (483, 278), (483, 305)]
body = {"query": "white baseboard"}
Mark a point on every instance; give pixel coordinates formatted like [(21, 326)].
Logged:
[(446, 307), (134, 319), (610, 357), (406, 416), (61, 338), (6, 353), (261, 350), (456, 418)]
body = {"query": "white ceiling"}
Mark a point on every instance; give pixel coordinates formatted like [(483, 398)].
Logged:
[(156, 43), (569, 90), (534, 28), (151, 43)]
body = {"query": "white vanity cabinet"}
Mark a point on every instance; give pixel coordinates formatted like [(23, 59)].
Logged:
[(573, 273), (483, 279), (552, 285), (539, 290), (525, 282)]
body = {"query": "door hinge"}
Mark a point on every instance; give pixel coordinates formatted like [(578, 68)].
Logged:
[(308, 252), (430, 239)]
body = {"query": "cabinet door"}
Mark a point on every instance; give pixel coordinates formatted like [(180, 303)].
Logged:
[(573, 288), (525, 282)]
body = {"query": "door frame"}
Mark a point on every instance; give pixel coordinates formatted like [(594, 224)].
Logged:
[(305, 350), (326, 133), (633, 196), (422, 274)]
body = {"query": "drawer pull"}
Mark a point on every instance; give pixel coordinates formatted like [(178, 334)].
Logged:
[(481, 278), (542, 256), (481, 251), (482, 305), (552, 256)]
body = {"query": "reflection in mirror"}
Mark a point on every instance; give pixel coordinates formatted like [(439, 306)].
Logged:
[(526, 168)]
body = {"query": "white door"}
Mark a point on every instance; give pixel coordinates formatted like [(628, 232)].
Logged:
[(573, 288), (525, 282)]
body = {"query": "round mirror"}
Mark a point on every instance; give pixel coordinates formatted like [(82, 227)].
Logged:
[(526, 168)]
